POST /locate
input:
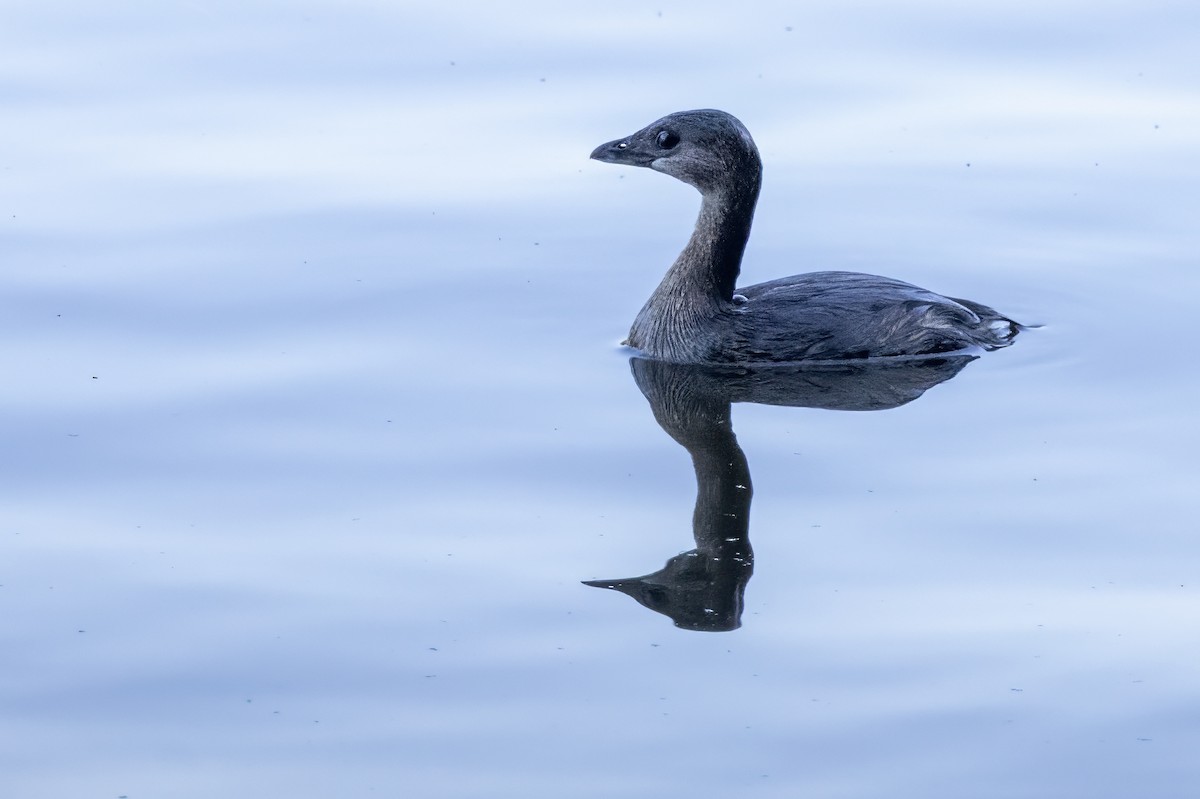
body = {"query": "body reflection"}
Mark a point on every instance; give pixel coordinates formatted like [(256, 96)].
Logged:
[(702, 589)]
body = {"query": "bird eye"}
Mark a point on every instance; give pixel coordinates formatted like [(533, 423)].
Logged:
[(622, 145), (666, 139)]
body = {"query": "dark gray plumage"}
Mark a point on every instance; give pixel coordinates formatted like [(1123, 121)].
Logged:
[(696, 315)]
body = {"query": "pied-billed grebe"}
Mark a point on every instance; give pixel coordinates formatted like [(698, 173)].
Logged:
[(696, 315)]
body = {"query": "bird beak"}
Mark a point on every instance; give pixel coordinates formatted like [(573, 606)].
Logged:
[(623, 151)]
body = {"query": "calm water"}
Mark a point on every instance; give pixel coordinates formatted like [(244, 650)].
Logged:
[(314, 417)]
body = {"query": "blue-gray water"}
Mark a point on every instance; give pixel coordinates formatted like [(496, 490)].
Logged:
[(314, 418)]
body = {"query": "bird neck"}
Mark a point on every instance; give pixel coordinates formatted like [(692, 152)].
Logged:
[(676, 323), (709, 264)]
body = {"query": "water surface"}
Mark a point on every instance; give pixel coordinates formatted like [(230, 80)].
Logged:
[(315, 418)]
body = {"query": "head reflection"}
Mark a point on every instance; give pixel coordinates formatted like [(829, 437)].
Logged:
[(702, 589)]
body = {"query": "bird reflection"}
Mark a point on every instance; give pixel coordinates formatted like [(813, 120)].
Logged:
[(702, 589)]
